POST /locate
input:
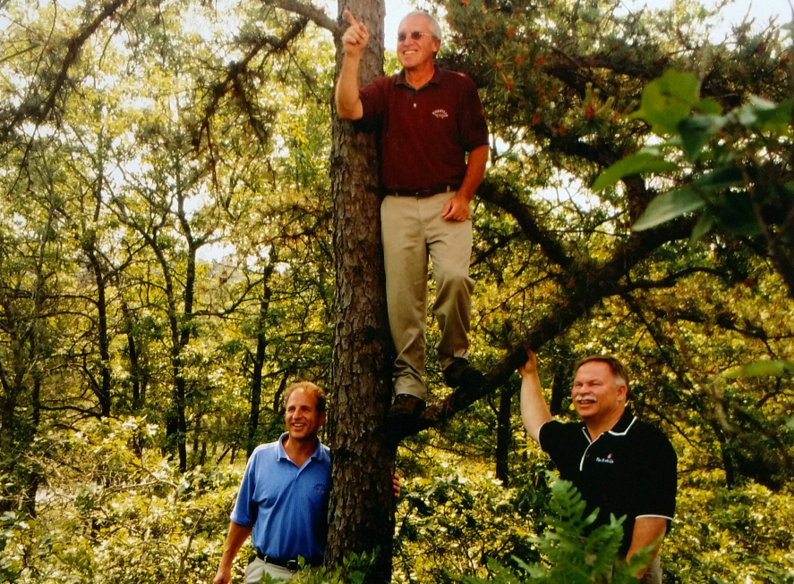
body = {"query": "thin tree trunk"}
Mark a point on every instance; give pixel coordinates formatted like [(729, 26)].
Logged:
[(136, 378), (102, 389), (559, 389), (504, 434), (259, 359)]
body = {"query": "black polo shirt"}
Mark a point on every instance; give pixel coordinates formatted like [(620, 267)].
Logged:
[(629, 470)]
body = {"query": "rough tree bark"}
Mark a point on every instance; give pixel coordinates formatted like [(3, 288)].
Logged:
[(361, 517)]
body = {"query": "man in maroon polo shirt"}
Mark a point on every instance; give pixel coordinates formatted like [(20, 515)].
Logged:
[(428, 119)]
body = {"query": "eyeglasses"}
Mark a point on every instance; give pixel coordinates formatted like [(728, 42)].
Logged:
[(415, 35)]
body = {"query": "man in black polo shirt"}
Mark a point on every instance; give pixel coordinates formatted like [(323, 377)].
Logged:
[(621, 465), (433, 152)]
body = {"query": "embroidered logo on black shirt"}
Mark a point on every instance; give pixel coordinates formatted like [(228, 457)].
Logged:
[(607, 460)]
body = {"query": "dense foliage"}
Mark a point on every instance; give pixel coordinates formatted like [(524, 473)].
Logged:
[(166, 269), (738, 168)]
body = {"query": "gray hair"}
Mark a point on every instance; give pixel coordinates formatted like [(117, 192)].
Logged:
[(618, 369), (434, 26)]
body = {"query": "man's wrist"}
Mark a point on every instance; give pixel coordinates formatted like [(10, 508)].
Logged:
[(353, 56), (467, 196)]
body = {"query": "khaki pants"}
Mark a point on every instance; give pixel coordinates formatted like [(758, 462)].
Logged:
[(414, 230), (253, 573), (653, 574)]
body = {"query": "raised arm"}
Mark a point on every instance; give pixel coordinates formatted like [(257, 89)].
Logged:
[(348, 103), (534, 411)]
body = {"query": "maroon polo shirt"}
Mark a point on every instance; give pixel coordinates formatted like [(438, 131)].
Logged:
[(425, 133)]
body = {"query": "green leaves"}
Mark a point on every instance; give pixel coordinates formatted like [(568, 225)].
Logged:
[(667, 104), (765, 116), (667, 207), (729, 166), (695, 133), (638, 163), (571, 554), (667, 101), (719, 179)]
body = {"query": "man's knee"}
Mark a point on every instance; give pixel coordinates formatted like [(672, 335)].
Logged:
[(453, 281)]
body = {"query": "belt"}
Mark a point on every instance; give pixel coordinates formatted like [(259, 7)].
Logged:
[(423, 193), (283, 563)]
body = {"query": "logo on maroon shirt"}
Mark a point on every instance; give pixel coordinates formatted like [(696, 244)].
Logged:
[(441, 114)]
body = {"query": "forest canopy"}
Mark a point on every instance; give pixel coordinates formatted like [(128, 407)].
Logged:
[(169, 241)]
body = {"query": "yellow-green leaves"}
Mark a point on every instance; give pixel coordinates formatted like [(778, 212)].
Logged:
[(764, 368), (765, 116)]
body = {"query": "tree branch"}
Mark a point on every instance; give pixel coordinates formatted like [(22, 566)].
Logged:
[(235, 72), (593, 286), (40, 111), (309, 11), (503, 195)]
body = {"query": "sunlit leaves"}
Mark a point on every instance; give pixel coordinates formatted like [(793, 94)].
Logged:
[(559, 81), (745, 153), (572, 553), (766, 368)]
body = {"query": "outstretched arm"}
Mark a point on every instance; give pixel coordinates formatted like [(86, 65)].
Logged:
[(234, 541), (348, 103), (534, 411)]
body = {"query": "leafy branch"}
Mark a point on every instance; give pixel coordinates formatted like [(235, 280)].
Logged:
[(733, 169)]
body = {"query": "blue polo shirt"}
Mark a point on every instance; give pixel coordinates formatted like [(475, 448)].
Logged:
[(286, 505), (630, 471)]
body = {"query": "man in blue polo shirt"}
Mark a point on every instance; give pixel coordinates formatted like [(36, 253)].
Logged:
[(621, 466), (283, 497)]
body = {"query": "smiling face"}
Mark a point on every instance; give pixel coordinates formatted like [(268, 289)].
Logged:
[(598, 396), (416, 53), (302, 419)]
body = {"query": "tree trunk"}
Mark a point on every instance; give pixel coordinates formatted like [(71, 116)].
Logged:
[(504, 434), (259, 358), (559, 389), (175, 419), (32, 473), (135, 369), (101, 389), (361, 514)]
